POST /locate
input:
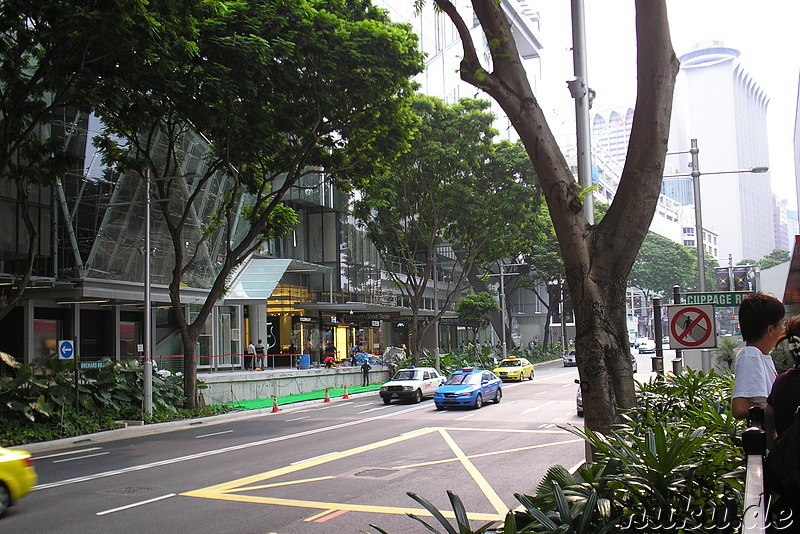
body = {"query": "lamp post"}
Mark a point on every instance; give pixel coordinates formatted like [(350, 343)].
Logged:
[(698, 213), (502, 276), (148, 357)]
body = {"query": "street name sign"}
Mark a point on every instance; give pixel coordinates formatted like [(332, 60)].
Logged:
[(692, 326), (718, 298), (91, 365)]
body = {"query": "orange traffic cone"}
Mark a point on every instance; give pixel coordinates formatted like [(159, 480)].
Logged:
[(275, 408), (345, 396), (327, 397)]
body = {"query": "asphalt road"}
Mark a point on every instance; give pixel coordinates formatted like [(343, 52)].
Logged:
[(317, 468)]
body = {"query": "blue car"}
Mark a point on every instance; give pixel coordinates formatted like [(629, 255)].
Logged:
[(469, 387)]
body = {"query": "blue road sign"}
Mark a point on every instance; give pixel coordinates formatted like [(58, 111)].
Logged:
[(66, 350)]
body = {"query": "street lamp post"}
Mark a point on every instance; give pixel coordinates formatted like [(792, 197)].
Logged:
[(502, 276), (148, 357), (698, 213)]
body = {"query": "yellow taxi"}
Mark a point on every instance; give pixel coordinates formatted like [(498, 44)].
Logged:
[(17, 476), (513, 368)]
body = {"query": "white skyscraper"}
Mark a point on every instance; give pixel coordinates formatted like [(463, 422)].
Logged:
[(726, 111)]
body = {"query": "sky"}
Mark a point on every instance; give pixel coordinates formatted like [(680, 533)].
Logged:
[(764, 32)]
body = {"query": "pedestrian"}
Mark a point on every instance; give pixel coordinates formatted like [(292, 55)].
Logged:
[(365, 368), (353, 351), (782, 403), (260, 352), (249, 357), (761, 319)]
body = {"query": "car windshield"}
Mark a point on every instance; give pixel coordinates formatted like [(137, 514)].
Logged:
[(510, 363), (465, 378), (405, 374)]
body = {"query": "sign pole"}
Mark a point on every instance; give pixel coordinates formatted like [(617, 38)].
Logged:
[(658, 359), (76, 361), (677, 363)]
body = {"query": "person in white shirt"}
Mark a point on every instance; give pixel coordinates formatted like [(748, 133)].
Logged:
[(762, 322), (250, 357)]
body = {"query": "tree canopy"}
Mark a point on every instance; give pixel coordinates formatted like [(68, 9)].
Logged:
[(455, 189), (474, 310), (278, 91), (661, 264)]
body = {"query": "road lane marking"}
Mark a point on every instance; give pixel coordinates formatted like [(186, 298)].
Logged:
[(465, 417), (213, 434), (290, 483), (493, 453), (81, 457), (536, 408), (317, 516), (297, 419), (374, 409), (540, 393), (205, 454), (331, 516), (498, 504), (134, 505), (314, 458), (232, 490), (56, 455)]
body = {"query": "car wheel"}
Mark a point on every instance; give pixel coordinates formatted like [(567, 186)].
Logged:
[(439, 407), (580, 413), (418, 396), (478, 401), (498, 396), (386, 400), (530, 376), (5, 498)]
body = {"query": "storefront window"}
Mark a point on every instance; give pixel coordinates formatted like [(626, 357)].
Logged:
[(46, 334)]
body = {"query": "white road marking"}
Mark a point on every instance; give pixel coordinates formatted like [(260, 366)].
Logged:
[(465, 417), (509, 402), (374, 409), (314, 457), (536, 408), (297, 419), (81, 457), (205, 454), (213, 434), (56, 455), (134, 505), (540, 393)]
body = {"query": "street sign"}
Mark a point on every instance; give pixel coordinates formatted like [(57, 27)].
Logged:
[(66, 350), (692, 326), (719, 298), (91, 365)]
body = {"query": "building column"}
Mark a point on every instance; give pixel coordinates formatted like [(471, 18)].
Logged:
[(257, 314)]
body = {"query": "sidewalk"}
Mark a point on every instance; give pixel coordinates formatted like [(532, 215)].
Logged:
[(244, 410)]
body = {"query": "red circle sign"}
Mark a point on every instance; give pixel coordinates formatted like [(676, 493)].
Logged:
[(693, 330)]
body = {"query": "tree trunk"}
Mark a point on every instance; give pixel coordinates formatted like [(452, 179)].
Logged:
[(598, 258)]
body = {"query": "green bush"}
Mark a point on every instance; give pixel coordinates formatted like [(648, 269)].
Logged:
[(38, 400)]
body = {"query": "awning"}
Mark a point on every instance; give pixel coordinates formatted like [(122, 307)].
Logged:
[(258, 277)]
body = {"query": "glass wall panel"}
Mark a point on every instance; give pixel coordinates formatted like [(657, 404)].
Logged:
[(46, 333)]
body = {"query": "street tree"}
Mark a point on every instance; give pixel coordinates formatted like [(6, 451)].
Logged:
[(661, 264), (598, 257), (279, 91), (53, 54), (455, 190), (776, 257), (474, 311)]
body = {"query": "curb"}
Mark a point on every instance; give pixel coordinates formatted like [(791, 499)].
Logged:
[(160, 428)]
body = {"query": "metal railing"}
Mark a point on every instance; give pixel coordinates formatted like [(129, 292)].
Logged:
[(754, 443)]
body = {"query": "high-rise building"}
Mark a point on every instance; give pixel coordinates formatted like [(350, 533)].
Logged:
[(726, 111)]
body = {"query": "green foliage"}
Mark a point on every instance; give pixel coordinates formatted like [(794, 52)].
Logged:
[(776, 257), (37, 400), (662, 263), (725, 353), (474, 310)]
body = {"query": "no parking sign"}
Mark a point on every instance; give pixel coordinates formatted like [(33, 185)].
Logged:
[(692, 326)]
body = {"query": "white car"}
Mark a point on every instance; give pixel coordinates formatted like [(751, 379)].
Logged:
[(412, 383), (647, 345)]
